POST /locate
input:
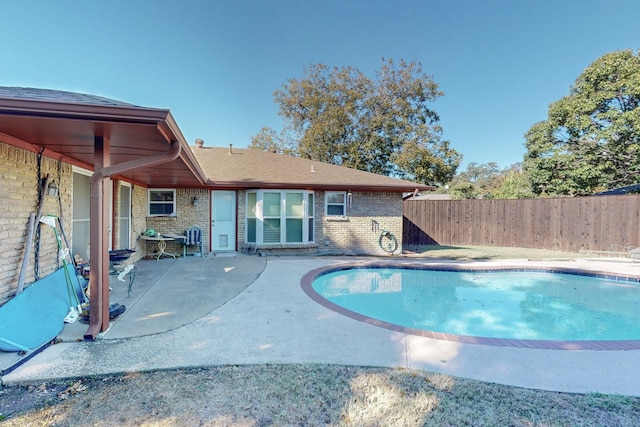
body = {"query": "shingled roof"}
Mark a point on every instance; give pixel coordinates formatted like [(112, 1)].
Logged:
[(25, 111), (65, 125), (248, 168), (50, 95)]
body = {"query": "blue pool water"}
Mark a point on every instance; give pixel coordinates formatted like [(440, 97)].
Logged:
[(529, 305)]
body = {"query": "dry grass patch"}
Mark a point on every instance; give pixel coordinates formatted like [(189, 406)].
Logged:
[(305, 395)]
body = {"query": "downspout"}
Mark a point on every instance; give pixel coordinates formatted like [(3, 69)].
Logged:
[(144, 162), (99, 296)]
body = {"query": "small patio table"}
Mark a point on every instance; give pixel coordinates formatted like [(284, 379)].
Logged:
[(162, 244)]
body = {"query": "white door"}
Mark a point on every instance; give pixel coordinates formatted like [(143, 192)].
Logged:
[(223, 224)]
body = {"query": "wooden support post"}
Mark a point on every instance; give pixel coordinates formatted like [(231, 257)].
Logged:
[(99, 235)]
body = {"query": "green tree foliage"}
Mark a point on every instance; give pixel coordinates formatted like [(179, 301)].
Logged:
[(382, 125), (488, 181), (267, 140), (474, 182), (481, 174), (512, 184), (464, 190), (591, 138)]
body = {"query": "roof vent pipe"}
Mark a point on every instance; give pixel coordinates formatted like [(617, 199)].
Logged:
[(199, 143), (230, 149)]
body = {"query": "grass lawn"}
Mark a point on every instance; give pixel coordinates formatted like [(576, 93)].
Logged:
[(307, 395), (488, 253)]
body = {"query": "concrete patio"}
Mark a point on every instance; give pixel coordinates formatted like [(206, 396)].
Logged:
[(242, 309)]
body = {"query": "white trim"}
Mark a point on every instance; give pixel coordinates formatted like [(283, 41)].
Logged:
[(81, 171), (343, 204), (175, 196), (219, 228), (129, 218), (259, 216), (80, 240)]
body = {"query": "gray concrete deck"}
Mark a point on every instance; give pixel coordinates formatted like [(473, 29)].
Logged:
[(258, 316)]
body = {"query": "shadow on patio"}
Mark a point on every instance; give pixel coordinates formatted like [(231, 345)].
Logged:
[(168, 293)]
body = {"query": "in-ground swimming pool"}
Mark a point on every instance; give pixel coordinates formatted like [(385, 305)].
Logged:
[(513, 307)]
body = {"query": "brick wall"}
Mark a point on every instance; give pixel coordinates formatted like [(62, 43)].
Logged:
[(187, 215), (241, 219), (359, 231), (19, 194)]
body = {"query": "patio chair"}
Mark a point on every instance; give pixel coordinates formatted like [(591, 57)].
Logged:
[(193, 237)]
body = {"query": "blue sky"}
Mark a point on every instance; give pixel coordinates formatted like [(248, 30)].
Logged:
[(215, 64)]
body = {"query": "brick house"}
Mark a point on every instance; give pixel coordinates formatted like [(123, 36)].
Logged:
[(120, 169)]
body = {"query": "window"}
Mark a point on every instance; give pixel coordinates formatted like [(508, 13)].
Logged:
[(335, 203), (252, 206), (162, 202), (295, 217), (271, 217), (279, 216), (310, 208)]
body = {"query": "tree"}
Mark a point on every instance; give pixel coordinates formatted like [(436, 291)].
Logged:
[(464, 190), (382, 125), (474, 182), (266, 140), (481, 174), (591, 138), (512, 183), (269, 140), (487, 181)]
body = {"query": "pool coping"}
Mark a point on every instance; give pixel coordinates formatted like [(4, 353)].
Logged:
[(306, 284)]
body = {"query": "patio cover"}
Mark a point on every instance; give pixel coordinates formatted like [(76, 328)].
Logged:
[(114, 139)]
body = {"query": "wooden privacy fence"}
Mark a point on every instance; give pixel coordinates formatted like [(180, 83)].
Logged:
[(566, 224)]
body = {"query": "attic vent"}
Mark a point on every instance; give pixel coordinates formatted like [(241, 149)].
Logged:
[(230, 149), (313, 169), (199, 143)]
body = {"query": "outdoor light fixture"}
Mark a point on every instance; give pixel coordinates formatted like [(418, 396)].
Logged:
[(349, 198), (195, 201), (52, 189)]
